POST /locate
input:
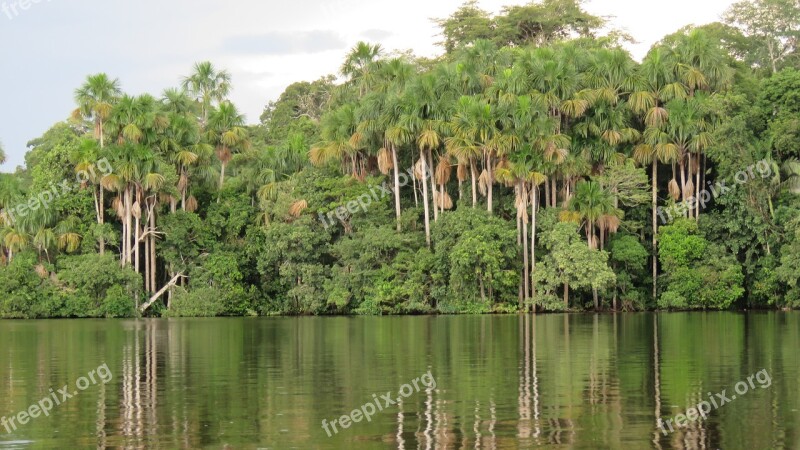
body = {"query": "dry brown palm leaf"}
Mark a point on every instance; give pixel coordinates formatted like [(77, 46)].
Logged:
[(116, 205), (191, 204), (443, 171), (165, 198), (41, 271), (674, 189), (297, 208), (136, 210), (385, 163), (462, 172), (609, 222), (483, 183), (419, 170), (695, 165), (183, 181), (443, 200)]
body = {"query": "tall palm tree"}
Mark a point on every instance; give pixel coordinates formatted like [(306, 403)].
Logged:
[(182, 143), (208, 86), (96, 99), (359, 66), (474, 133), (227, 132), (656, 85), (85, 159), (593, 206)]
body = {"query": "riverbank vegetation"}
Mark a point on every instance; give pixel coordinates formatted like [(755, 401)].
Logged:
[(535, 165)]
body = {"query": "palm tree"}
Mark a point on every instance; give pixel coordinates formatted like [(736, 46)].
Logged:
[(359, 65), (208, 85), (593, 206), (656, 85), (474, 133), (337, 130), (85, 159), (182, 143), (226, 130), (96, 99)]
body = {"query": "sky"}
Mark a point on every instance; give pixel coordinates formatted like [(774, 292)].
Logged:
[(48, 48)]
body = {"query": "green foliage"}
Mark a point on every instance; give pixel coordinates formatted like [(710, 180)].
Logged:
[(699, 275), (535, 23), (200, 302), (570, 262)]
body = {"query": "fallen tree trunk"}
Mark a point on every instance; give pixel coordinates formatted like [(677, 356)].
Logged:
[(161, 292)]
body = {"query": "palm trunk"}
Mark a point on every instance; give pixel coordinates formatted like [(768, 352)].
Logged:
[(425, 197), (153, 282), (416, 196), (525, 243), (697, 190), (534, 200), (146, 264), (655, 228), (683, 180), (474, 185), (547, 193), (136, 246), (222, 175), (128, 223), (429, 177), (396, 187), (490, 182), (102, 219)]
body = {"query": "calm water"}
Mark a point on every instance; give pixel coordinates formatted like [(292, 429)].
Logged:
[(501, 382)]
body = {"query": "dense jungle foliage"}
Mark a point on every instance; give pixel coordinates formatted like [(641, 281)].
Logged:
[(534, 165)]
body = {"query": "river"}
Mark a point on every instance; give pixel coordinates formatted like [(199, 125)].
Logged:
[(620, 381)]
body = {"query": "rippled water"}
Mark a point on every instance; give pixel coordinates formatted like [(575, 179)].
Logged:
[(501, 382)]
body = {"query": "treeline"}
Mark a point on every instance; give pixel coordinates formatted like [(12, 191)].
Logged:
[(533, 166)]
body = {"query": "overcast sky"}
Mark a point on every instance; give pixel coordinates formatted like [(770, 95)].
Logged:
[(48, 49)]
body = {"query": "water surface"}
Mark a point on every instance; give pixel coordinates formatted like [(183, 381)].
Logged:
[(501, 382)]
